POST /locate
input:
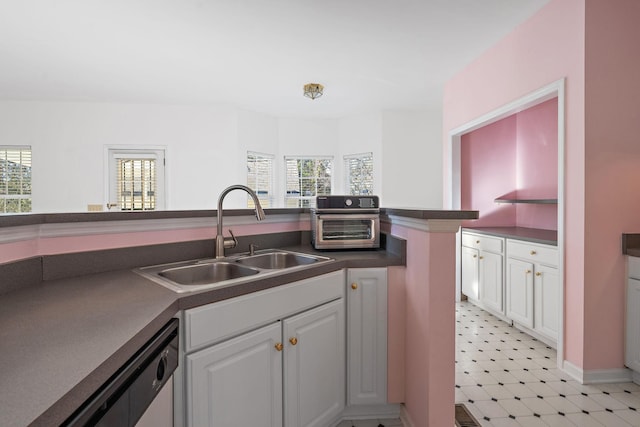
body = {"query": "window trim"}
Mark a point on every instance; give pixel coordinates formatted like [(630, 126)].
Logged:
[(115, 152)]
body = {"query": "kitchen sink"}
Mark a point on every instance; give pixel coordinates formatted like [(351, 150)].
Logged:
[(193, 275), (202, 274), (276, 260)]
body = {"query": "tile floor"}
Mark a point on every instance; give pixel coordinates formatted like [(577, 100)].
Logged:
[(371, 423), (507, 378)]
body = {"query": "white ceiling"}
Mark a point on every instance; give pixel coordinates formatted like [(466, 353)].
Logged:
[(257, 54)]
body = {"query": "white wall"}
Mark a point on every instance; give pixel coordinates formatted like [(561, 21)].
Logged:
[(412, 159), (206, 150), (361, 134), (68, 146)]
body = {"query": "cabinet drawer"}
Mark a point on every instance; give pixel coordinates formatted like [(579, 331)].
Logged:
[(220, 320), (634, 267), (485, 243), (534, 252)]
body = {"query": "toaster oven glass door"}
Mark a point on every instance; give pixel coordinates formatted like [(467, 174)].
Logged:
[(347, 231)]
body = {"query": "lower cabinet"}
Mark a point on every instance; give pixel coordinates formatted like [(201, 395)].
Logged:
[(314, 366), (237, 382), (367, 336), (297, 364), (305, 354), (632, 333), (533, 287), (271, 358), (482, 270), (520, 291)]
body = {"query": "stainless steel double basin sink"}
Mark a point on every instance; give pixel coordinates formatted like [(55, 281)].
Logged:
[(188, 276)]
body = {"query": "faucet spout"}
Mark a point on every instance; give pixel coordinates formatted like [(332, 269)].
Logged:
[(221, 241)]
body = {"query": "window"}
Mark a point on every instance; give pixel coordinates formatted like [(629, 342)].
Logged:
[(15, 179), (306, 178), (359, 173), (136, 179), (260, 178)]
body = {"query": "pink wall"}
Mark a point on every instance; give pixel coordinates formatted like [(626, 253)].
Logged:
[(547, 47), (429, 326), (612, 161), (593, 45), (537, 164), (58, 245), (516, 156), (488, 171)]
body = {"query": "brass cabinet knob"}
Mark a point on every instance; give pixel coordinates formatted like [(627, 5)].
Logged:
[(293, 340), (475, 256), (477, 241), (481, 257), (354, 286), (538, 273), (528, 271), (279, 346), (533, 252)]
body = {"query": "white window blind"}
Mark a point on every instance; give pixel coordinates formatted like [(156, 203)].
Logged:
[(136, 179), (137, 184), (306, 178), (359, 173), (260, 178), (15, 179)]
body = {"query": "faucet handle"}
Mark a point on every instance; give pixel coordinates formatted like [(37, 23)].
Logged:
[(230, 243)]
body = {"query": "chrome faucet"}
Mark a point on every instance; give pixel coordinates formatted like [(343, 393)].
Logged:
[(231, 242)]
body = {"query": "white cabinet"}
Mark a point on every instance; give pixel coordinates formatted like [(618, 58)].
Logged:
[(533, 287), (237, 382), (482, 262), (632, 333), (470, 274), (491, 283), (314, 366), (367, 336), (520, 291), (271, 358)]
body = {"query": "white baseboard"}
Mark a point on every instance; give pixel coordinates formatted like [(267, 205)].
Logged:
[(597, 376), (405, 418)]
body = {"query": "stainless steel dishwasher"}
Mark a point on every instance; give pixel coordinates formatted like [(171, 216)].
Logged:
[(125, 397)]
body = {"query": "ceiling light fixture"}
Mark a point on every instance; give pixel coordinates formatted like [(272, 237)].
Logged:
[(313, 90)]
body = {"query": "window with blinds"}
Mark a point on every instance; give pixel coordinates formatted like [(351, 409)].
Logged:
[(15, 179), (359, 173), (136, 179), (260, 178), (306, 178), (136, 184)]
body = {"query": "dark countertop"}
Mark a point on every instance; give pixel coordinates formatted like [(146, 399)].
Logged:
[(63, 338), (535, 235), (631, 244), (31, 219)]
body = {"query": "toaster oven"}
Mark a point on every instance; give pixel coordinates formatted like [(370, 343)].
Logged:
[(345, 222)]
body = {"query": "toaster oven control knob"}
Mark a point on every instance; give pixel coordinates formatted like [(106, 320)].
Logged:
[(348, 202)]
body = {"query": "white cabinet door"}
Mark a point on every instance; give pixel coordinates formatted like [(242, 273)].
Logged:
[(469, 274), (520, 291), (546, 297), (367, 336), (237, 383), (632, 351), (490, 278), (314, 361)]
